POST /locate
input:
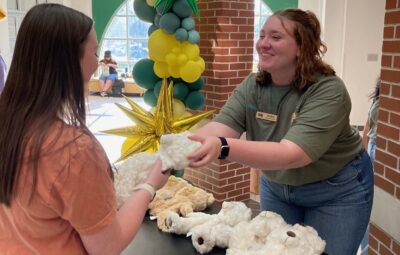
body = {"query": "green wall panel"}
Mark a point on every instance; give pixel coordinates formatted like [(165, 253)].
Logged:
[(102, 11), (276, 5)]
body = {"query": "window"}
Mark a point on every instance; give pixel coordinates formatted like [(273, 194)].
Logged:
[(126, 37), (261, 14)]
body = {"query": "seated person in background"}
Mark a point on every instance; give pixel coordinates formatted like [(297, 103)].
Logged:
[(108, 72)]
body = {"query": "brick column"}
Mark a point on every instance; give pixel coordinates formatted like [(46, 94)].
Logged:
[(387, 164), (226, 43)]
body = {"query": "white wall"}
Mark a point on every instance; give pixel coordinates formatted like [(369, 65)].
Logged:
[(353, 32), (84, 6)]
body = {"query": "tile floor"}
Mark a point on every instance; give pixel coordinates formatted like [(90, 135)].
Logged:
[(103, 114)]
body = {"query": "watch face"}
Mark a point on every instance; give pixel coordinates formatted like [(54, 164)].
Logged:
[(224, 148)]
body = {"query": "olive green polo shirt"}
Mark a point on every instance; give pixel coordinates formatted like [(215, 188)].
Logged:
[(321, 126)]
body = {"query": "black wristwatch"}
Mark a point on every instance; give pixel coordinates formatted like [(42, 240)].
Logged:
[(224, 148)]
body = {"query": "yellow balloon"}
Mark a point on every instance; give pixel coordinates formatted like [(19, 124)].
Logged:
[(171, 59), (174, 71), (179, 108), (186, 114), (182, 59), (190, 72), (160, 44), (176, 50), (150, 2), (192, 51), (161, 69), (201, 63)]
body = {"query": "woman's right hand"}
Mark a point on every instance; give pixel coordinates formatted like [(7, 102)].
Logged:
[(157, 178), (209, 150)]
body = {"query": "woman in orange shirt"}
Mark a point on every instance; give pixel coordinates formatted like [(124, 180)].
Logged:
[(56, 187)]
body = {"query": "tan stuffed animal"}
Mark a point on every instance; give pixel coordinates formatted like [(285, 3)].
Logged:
[(178, 196)]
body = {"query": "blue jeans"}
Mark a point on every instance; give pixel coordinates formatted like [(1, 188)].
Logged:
[(110, 77), (371, 153), (339, 208)]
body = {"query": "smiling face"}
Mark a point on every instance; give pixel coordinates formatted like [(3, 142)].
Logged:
[(277, 48)]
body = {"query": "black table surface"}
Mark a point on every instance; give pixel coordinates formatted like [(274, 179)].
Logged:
[(152, 241)]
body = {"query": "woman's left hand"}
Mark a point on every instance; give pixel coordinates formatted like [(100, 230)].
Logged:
[(209, 150)]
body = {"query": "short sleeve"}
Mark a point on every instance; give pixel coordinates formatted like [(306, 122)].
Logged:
[(321, 118), (233, 113), (83, 193)]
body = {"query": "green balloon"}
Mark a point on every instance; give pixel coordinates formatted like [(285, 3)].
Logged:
[(169, 23), (157, 88), (181, 34), (197, 85), (143, 73), (182, 8), (152, 28), (149, 98), (194, 36), (188, 23), (177, 173), (144, 11), (195, 100), (157, 20), (180, 91)]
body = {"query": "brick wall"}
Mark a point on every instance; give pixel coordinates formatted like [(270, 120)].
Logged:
[(387, 164), (226, 44)]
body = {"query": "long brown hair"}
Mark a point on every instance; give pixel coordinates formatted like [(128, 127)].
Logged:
[(44, 83), (307, 33)]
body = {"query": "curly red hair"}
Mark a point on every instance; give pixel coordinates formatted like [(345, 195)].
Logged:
[(307, 33)]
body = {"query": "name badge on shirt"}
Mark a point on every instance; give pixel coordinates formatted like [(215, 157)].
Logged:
[(267, 116), (294, 117)]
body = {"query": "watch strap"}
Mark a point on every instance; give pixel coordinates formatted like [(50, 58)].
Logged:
[(224, 148)]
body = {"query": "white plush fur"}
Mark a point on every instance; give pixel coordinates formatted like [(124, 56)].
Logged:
[(210, 230), (252, 235), (173, 151), (268, 234), (182, 225)]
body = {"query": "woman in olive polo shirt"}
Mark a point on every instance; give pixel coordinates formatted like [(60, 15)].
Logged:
[(295, 113)]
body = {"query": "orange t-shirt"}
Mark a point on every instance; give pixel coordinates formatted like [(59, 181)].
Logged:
[(74, 195)]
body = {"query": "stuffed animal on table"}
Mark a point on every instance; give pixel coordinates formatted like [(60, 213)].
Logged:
[(180, 197), (208, 231), (266, 234), (269, 234), (250, 236), (173, 151)]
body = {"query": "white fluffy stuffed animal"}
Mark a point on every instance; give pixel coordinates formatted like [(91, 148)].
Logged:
[(173, 151), (253, 235), (208, 230), (268, 234)]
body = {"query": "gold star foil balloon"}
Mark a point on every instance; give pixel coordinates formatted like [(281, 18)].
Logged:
[(146, 134), (2, 14)]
